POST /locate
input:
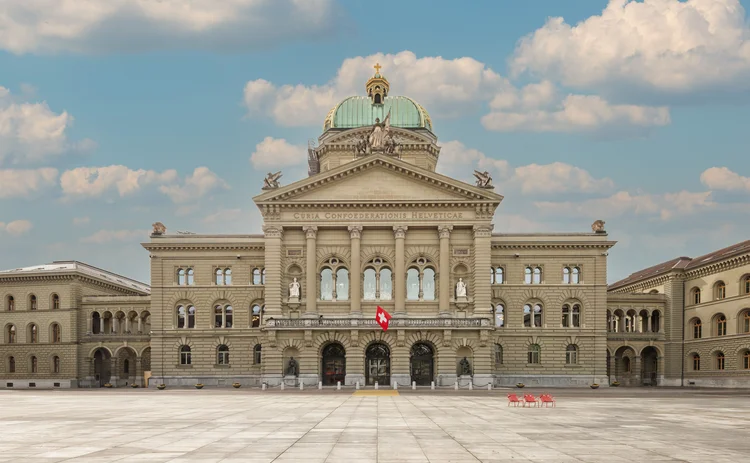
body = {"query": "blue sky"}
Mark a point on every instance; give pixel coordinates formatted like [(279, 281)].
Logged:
[(112, 118)]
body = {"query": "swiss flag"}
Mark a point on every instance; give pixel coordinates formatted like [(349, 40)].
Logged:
[(382, 317)]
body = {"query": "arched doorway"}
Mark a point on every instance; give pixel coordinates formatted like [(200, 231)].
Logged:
[(126, 365), (333, 364), (649, 365), (422, 364), (624, 363), (378, 364), (102, 367)]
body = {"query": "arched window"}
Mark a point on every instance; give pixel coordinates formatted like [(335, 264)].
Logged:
[(33, 334), (256, 276), (223, 316), (11, 334), (535, 353), (185, 355), (571, 316), (96, 323), (576, 316), (499, 316), (34, 364), (11, 364), (626, 364), (55, 302), (56, 333), (257, 357), (126, 366), (181, 277), (696, 362), (342, 284), (575, 275), (498, 354), (369, 284), (326, 284), (720, 290), (532, 275), (695, 295), (746, 360), (228, 276), (746, 284), (532, 316), (412, 284), (256, 316), (10, 303), (720, 361), (721, 325), (655, 321), (190, 277), (222, 355), (571, 354), (697, 329), (223, 276), (537, 275), (420, 280), (32, 302), (263, 276), (186, 317), (428, 284), (566, 275), (499, 275), (746, 321), (527, 272), (219, 276), (385, 282)]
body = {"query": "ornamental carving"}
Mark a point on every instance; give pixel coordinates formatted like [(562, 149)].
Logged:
[(158, 229), (444, 231), (355, 231), (273, 231), (399, 231), (271, 182), (483, 231), (311, 231)]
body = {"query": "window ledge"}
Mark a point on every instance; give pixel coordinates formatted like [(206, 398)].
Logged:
[(222, 366), (179, 365)]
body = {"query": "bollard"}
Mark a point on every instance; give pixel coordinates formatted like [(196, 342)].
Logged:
[(263, 387), (356, 385), (432, 385), (471, 386), (376, 385), (395, 385), (320, 385), (301, 386), (413, 385), (489, 387), (338, 385), (282, 385), (455, 385)]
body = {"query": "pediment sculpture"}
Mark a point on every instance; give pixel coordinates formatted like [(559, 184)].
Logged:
[(484, 179), (158, 228), (271, 182)]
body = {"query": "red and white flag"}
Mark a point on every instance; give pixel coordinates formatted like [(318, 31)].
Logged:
[(383, 318)]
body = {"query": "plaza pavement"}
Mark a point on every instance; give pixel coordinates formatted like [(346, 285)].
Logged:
[(248, 426)]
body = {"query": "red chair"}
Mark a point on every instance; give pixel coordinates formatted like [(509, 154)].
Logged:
[(513, 399), (547, 399), (530, 399)]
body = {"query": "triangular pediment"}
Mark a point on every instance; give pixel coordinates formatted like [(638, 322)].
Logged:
[(378, 179)]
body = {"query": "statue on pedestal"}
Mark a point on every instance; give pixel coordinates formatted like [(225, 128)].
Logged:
[(465, 367), (294, 289), (460, 288), (292, 367)]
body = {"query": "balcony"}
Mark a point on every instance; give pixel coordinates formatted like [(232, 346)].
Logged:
[(369, 323)]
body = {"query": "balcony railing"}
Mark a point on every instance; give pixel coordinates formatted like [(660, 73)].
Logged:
[(368, 323)]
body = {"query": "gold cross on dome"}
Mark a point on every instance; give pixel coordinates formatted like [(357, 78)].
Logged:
[(377, 68)]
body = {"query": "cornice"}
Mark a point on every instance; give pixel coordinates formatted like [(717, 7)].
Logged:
[(201, 247), (554, 245), (717, 267)]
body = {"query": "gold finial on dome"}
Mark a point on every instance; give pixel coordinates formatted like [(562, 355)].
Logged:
[(377, 86)]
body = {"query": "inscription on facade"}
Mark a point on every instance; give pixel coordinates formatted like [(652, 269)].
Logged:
[(379, 215)]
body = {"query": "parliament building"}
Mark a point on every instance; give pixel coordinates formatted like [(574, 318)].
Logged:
[(375, 225)]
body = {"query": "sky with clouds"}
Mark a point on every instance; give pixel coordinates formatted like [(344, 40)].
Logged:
[(117, 114)]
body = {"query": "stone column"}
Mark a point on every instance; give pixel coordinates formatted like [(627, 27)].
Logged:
[(90, 324), (355, 273), (115, 325), (482, 261), (311, 273), (140, 324), (272, 262), (113, 374), (444, 280), (399, 274), (101, 325)]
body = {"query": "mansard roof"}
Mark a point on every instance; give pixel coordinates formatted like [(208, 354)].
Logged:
[(454, 191)]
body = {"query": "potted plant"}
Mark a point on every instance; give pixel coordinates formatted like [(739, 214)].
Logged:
[(199, 386), (520, 385), (107, 385), (161, 387), (595, 386), (236, 385), (615, 383)]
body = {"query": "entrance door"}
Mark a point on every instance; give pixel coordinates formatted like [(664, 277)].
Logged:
[(649, 365), (378, 364), (422, 364), (102, 367), (333, 364)]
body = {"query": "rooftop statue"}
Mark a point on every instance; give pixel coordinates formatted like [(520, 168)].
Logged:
[(598, 227), (379, 132), (158, 228), (271, 182), (484, 179)]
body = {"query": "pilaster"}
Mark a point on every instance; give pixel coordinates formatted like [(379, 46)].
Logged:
[(311, 280), (272, 262), (355, 279), (482, 263), (444, 281), (399, 233)]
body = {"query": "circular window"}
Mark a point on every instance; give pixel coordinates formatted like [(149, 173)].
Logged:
[(377, 261), (421, 261), (333, 261)]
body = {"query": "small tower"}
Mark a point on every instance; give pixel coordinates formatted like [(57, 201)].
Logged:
[(377, 86)]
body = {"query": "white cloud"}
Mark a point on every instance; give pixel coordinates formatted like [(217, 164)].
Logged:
[(460, 161), (665, 45), (16, 227), (25, 183), (32, 133), (81, 221), (92, 26), (447, 87), (558, 177), (664, 206), (197, 185), (722, 178), (277, 152), (92, 182), (108, 236), (575, 113)]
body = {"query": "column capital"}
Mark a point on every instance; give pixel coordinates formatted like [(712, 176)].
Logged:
[(311, 231), (273, 231), (483, 230), (399, 231), (355, 231), (445, 231)]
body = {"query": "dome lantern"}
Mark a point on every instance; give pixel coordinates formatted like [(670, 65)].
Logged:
[(377, 86)]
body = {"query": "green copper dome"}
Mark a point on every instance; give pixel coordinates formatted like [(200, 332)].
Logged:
[(360, 111)]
